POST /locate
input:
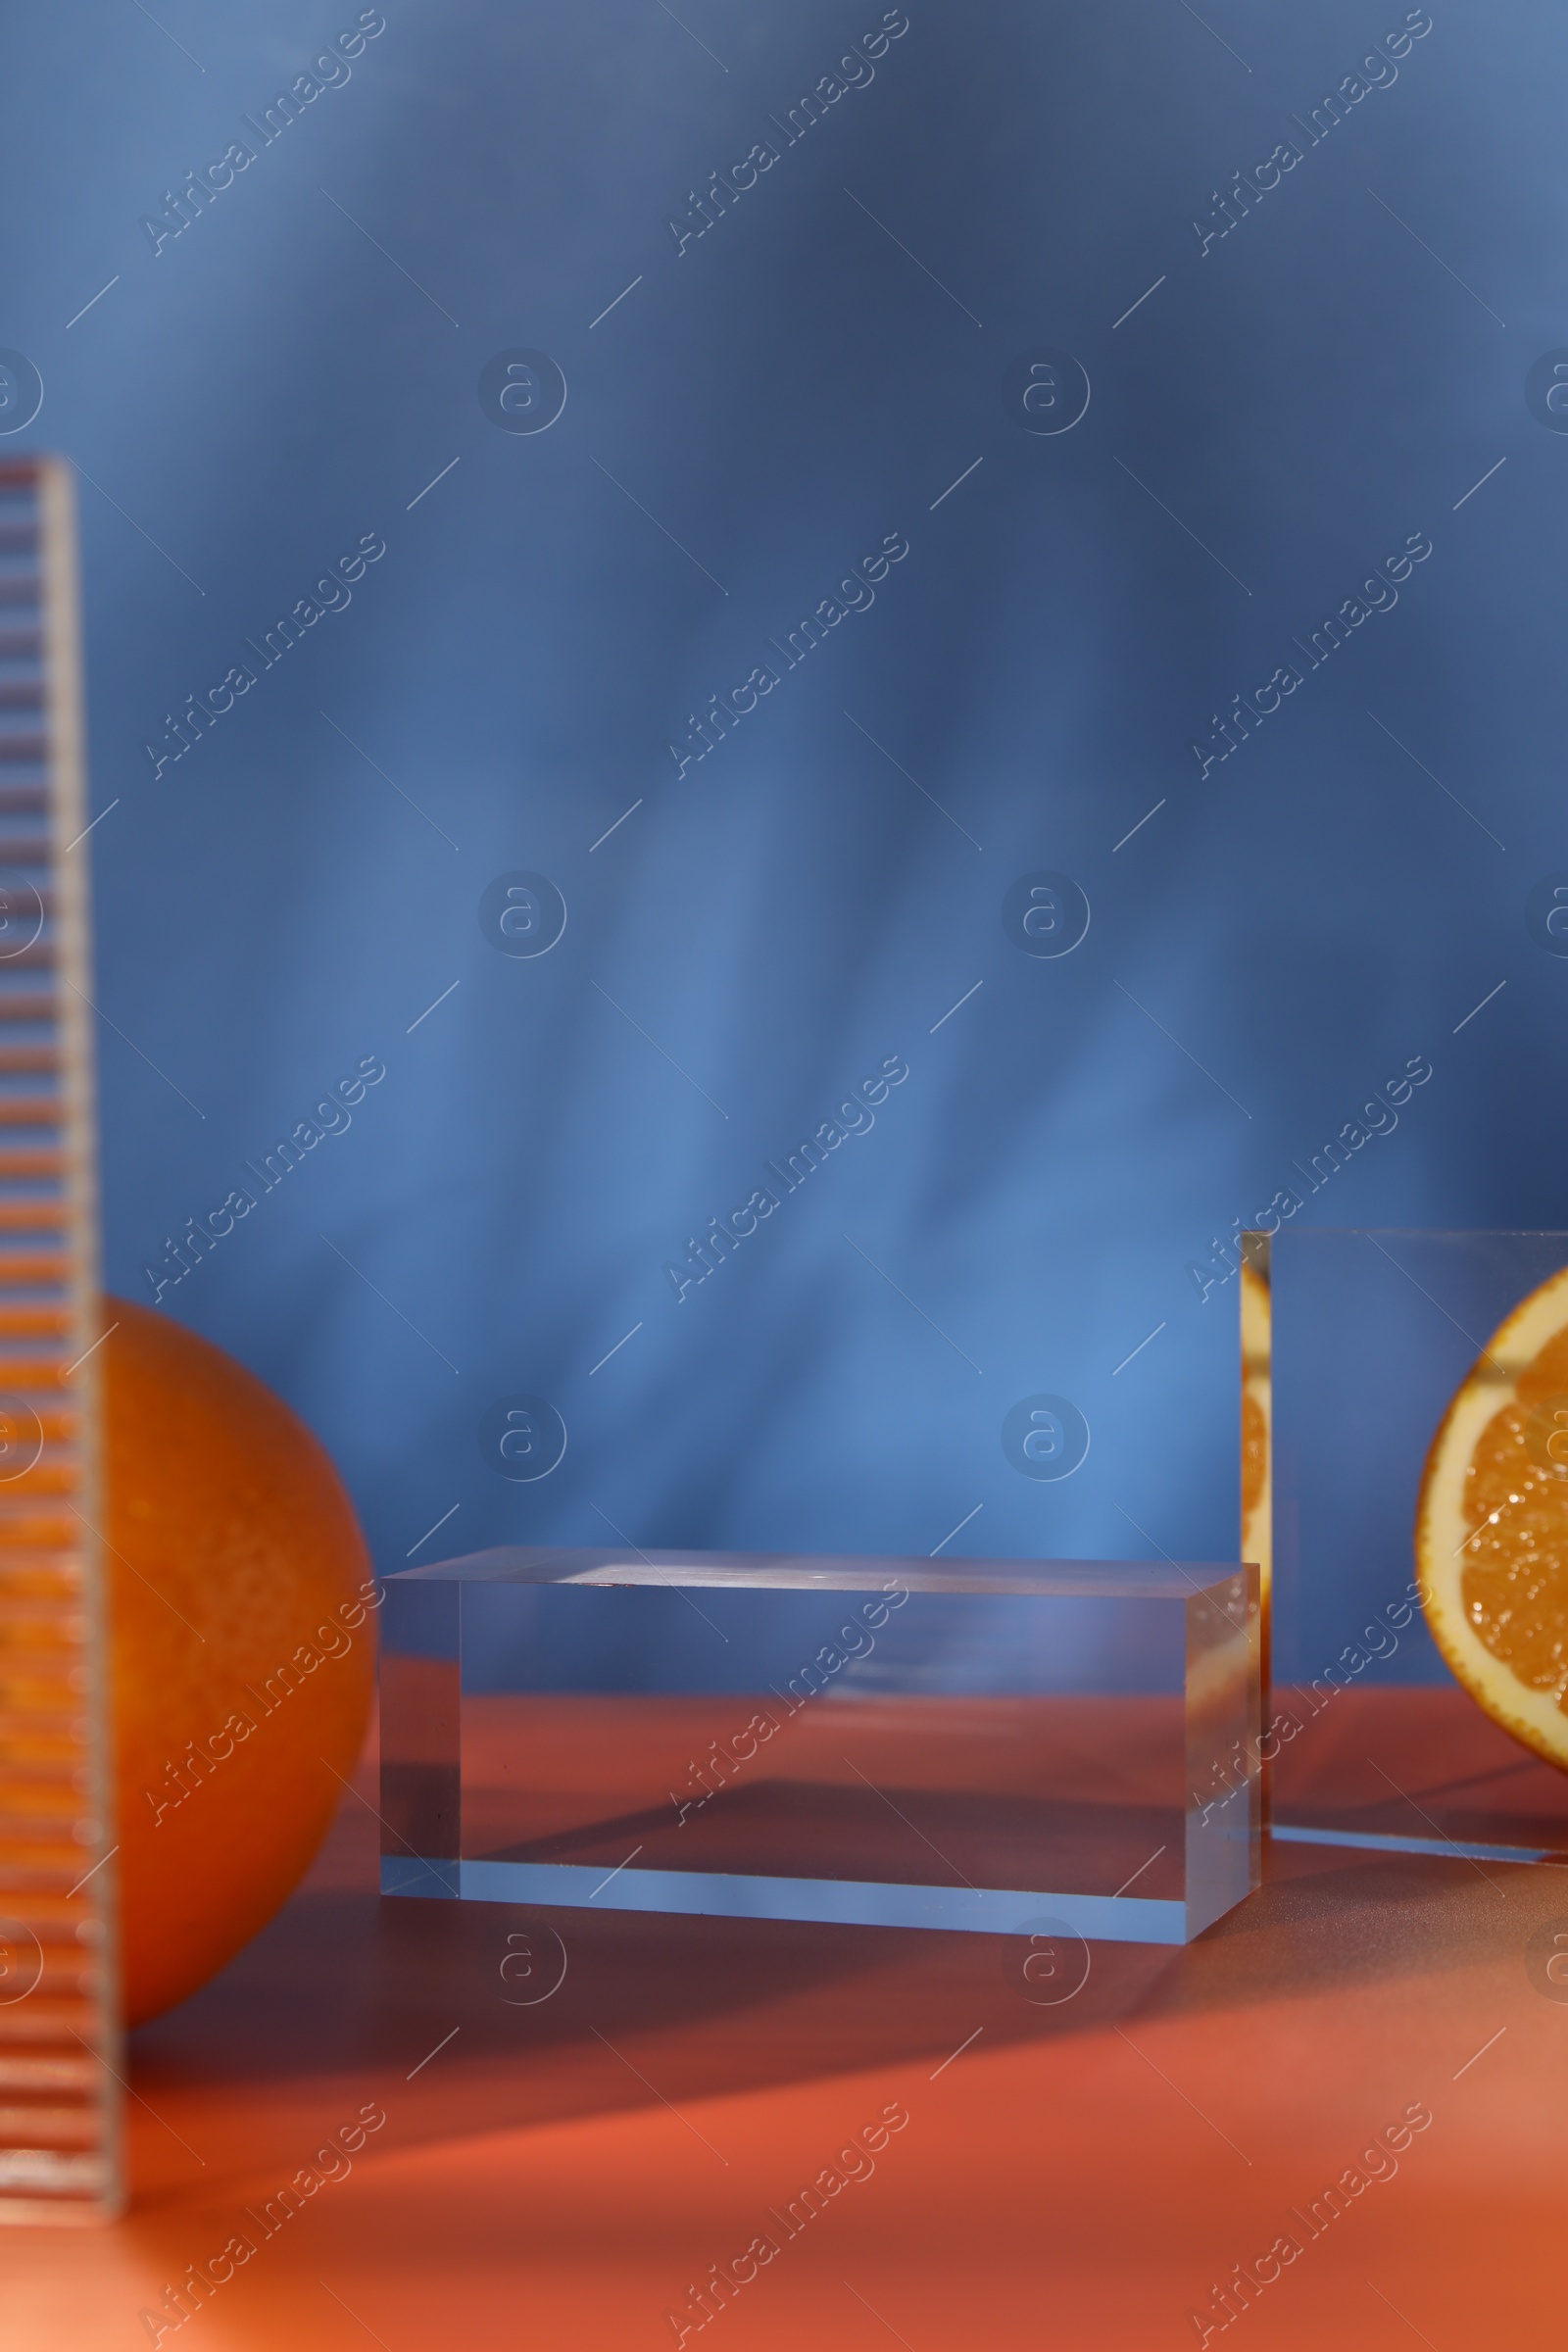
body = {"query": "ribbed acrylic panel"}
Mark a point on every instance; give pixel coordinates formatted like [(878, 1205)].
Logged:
[(59, 2059)]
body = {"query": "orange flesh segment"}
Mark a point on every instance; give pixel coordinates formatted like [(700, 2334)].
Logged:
[(1515, 1576)]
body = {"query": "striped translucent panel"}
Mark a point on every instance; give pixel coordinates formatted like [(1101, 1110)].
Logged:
[(59, 2063)]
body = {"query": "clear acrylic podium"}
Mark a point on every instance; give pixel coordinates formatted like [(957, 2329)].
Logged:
[(974, 1745), (1354, 1342)]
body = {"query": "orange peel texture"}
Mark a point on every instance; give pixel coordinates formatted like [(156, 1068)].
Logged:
[(241, 1650)]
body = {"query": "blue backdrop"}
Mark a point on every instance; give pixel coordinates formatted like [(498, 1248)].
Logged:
[(809, 462)]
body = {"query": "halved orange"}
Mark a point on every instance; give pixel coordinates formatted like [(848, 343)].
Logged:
[(1491, 1525)]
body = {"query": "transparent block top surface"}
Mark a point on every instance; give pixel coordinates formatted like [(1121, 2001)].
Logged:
[(825, 1572), (888, 1729)]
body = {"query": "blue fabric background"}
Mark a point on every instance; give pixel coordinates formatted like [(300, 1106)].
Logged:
[(754, 415)]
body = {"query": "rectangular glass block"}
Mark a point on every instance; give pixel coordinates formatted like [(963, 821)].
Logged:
[(1355, 1344), (975, 1744)]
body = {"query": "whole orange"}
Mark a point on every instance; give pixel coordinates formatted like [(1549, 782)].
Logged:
[(241, 1646)]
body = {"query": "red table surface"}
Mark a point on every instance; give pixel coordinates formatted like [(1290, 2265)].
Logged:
[(1076, 2175)]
